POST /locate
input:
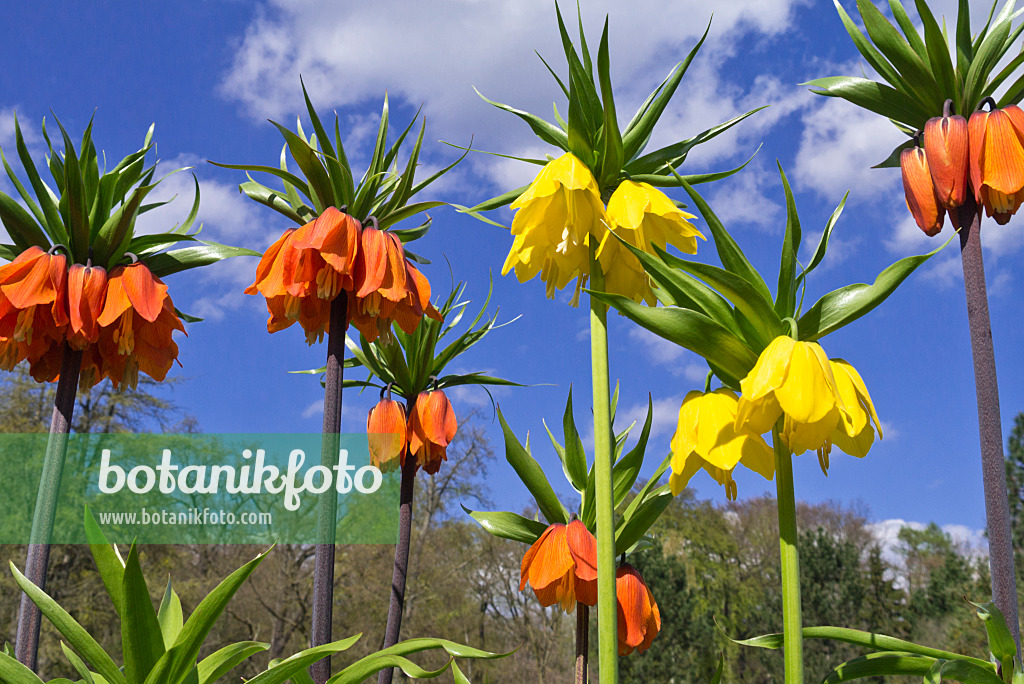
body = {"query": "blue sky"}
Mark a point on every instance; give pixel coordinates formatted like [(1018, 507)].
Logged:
[(210, 74)]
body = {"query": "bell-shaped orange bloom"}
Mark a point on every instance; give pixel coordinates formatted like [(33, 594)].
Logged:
[(305, 270), (945, 145), (33, 306), (639, 618), (87, 292), (136, 324), (921, 198), (561, 566), (432, 427), (386, 431), (996, 142)]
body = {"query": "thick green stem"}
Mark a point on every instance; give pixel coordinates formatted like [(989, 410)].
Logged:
[(793, 645), (607, 613)]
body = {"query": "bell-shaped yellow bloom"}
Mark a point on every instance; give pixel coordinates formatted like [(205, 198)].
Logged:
[(554, 220), (643, 216), (854, 434), (792, 379), (707, 437)]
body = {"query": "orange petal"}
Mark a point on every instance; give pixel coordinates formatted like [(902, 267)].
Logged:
[(976, 129), (386, 428), (633, 608), (1002, 158), (945, 145), (372, 262), (920, 193), (551, 563), (270, 270), (87, 290), (583, 548), (27, 279)]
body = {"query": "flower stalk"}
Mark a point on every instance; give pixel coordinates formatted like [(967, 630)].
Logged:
[(400, 573), (606, 613), (997, 509), (29, 619), (582, 641), (792, 628), (327, 507)]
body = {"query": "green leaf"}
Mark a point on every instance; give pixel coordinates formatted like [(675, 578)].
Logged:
[(636, 525), (938, 54), (20, 225), (531, 474), (284, 669), (639, 130), (845, 305), (175, 664), (691, 330), (78, 664), (363, 668), (613, 151), (47, 199), (1000, 639), (13, 672), (74, 193), (574, 461), (76, 635), (893, 160), (729, 252), (871, 55), (108, 562), (876, 97), (626, 470), (509, 525), (166, 263), (744, 295), (916, 75), (321, 192), (988, 54), (909, 30), (785, 299), (857, 638), (819, 252), (548, 132), (219, 663), (879, 664), (169, 616), (142, 643)]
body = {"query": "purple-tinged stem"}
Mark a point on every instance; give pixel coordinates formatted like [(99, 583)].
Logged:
[(401, 570), (26, 648), (997, 508), (582, 641), (327, 507)]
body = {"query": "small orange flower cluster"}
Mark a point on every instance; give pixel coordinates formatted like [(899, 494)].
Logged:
[(308, 267), (984, 156), (561, 567), (426, 434), (122, 321)]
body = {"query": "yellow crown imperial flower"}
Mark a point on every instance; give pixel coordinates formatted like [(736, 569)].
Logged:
[(707, 437), (553, 223), (643, 216), (793, 379), (854, 434)]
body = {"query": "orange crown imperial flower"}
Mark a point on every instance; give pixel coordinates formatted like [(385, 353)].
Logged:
[(87, 293), (561, 566), (432, 427), (922, 200), (33, 306), (639, 617), (996, 143), (386, 430), (946, 147), (137, 321)]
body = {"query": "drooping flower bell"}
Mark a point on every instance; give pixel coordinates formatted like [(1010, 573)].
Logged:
[(946, 147), (643, 216), (137, 323), (854, 434), (561, 566), (555, 220), (432, 427), (87, 293), (305, 269), (792, 380), (33, 307), (996, 142), (638, 614), (922, 201), (386, 430), (707, 437)]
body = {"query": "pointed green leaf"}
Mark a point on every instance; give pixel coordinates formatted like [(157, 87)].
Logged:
[(509, 525), (575, 461), (880, 664), (285, 669), (141, 640), (166, 263), (219, 663), (627, 468), (819, 252), (636, 525), (916, 75), (170, 616), (531, 474), (13, 672), (785, 299), (612, 154), (549, 133)]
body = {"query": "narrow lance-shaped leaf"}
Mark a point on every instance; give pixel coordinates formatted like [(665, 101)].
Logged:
[(531, 474)]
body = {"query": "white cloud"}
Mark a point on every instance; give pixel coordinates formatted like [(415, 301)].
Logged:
[(435, 53), (314, 409), (886, 533), (744, 199), (666, 414), (839, 145)]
